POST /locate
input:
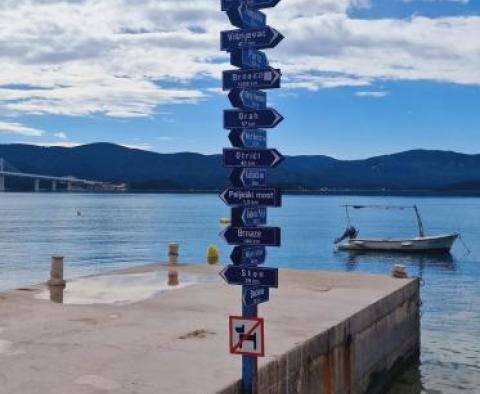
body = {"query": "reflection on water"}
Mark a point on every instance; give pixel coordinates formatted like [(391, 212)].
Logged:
[(121, 289), (417, 262), (410, 382), (56, 294)]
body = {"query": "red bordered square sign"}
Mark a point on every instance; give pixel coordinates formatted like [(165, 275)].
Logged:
[(247, 336)]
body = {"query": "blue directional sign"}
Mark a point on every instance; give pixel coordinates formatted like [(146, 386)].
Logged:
[(248, 255), (253, 236), (251, 158), (246, 18), (265, 37), (248, 58), (264, 78), (248, 177), (255, 119), (254, 295), (249, 217), (256, 276), (248, 138), (248, 99), (255, 4), (254, 197), (249, 198)]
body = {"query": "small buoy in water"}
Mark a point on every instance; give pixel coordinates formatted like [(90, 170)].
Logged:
[(212, 255), (79, 213), (225, 221)]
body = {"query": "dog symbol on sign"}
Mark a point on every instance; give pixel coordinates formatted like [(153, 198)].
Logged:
[(244, 337), (247, 336)]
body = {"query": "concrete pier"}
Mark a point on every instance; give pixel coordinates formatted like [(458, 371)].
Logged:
[(326, 333)]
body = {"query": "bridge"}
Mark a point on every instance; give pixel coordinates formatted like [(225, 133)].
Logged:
[(72, 183)]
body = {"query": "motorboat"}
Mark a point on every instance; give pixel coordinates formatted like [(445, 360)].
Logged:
[(350, 241)]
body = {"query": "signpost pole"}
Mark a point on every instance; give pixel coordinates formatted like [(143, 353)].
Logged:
[(249, 363), (249, 159)]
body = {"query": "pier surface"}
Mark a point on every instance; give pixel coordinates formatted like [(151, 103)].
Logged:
[(325, 333)]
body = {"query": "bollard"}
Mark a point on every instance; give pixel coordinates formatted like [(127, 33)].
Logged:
[(173, 253), (173, 278), (398, 271), (212, 255), (56, 272), (56, 294)]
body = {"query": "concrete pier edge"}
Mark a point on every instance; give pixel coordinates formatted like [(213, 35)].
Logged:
[(362, 354), (370, 334)]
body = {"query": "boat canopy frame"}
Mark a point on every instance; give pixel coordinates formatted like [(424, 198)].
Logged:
[(421, 229)]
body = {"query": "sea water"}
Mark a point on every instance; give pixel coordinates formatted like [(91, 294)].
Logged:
[(100, 232)]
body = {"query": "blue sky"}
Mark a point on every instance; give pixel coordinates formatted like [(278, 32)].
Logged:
[(361, 78)]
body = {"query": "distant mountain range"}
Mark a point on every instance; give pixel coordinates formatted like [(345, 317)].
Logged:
[(415, 170)]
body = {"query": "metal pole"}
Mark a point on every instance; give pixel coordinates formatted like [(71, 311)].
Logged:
[(249, 364), (421, 231)]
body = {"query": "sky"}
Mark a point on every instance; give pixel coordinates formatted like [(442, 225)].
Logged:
[(360, 77)]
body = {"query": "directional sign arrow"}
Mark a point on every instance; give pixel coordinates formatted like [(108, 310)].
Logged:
[(248, 99), (254, 197), (245, 18), (248, 255), (242, 119), (251, 158), (255, 295), (265, 37), (253, 236), (248, 138), (264, 78), (249, 217), (248, 177), (256, 276), (249, 58), (255, 4)]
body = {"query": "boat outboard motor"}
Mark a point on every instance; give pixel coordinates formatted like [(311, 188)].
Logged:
[(350, 233)]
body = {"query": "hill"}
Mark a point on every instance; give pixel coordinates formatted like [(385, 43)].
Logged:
[(143, 170)]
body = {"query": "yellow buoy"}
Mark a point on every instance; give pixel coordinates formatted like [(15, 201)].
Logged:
[(212, 254), (225, 221)]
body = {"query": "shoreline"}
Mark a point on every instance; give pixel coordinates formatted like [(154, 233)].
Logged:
[(320, 329), (353, 193)]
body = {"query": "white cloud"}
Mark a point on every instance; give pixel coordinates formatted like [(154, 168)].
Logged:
[(141, 146), (123, 58), (62, 144), (60, 135), (17, 128), (373, 94)]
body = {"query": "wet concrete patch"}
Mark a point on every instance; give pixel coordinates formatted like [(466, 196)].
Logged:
[(122, 288)]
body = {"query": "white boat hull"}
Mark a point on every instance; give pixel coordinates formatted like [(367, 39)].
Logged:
[(436, 244)]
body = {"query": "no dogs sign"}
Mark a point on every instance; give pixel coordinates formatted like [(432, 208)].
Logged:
[(247, 336)]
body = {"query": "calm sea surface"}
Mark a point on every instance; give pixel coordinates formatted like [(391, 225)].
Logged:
[(122, 230)]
